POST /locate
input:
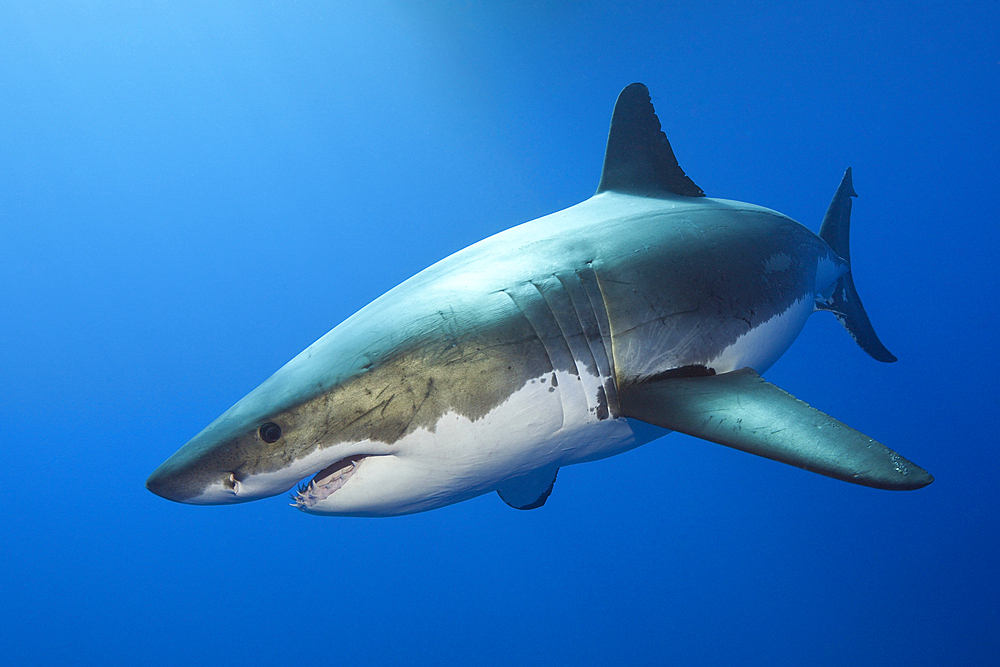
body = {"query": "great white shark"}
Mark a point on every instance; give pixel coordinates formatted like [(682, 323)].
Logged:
[(549, 344)]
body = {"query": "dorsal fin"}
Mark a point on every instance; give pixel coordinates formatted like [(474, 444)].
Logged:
[(639, 159)]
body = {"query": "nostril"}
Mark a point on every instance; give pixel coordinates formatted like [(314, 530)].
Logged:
[(232, 483)]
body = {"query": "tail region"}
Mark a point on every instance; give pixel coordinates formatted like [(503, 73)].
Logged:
[(845, 302)]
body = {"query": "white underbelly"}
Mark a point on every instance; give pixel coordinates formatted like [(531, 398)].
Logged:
[(538, 425), (761, 346)]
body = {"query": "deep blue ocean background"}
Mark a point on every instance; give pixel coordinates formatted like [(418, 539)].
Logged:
[(191, 193)]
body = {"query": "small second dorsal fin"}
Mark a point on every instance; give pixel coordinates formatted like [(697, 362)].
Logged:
[(639, 159)]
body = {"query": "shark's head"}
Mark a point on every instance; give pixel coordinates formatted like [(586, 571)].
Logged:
[(246, 455), (328, 417), (320, 441), (284, 431)]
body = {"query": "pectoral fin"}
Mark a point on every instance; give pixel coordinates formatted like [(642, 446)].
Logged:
[(744, 411), (529, 491)]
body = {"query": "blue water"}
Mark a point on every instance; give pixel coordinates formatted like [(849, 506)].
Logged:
[(191, 193)]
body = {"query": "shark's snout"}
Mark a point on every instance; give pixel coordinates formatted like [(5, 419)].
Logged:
[(173, 482), (186, 482), (164, 484)]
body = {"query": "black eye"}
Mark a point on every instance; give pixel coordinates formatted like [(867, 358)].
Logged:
[(270, 432)]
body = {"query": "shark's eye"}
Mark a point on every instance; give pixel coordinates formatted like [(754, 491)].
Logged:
[(270, 432)]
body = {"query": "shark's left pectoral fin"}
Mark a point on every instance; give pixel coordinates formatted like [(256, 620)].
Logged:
[(744, 411), (529, 491)]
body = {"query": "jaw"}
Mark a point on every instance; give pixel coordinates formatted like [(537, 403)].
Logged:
[(382, 486), (320, 474), (325, 483)]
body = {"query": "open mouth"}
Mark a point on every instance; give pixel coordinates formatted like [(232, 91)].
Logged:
[(325, 482)]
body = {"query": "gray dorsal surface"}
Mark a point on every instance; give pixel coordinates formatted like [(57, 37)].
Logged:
[(639, 159)]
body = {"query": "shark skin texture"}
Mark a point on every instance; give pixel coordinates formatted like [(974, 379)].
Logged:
[(552, 343)]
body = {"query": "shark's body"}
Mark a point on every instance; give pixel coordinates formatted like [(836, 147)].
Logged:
[(538, 347)]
